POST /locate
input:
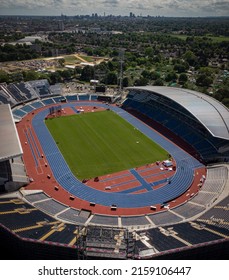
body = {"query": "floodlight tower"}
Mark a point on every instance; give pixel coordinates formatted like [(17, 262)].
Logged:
[(121, 61)]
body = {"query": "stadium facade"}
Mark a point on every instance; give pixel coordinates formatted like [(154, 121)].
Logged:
[(12, 175), (38, 226)]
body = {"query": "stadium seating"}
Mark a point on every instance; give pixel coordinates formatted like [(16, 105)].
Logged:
[(165, 217), (104, 220), (163, 242), (188, 210), (194, 235), (48, 101), (135, 220), (50, 206), (35, 197), (27, 90), (176, 119), (211, 226), (16, 93)]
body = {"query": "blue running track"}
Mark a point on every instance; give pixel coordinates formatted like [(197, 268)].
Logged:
[(180, 182)]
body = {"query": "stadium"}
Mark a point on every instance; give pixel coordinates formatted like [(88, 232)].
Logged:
[(89, 177)]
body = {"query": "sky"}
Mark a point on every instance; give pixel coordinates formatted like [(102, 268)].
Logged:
[(174, 8)]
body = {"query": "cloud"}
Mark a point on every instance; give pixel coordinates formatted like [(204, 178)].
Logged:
[(151, 7), (111, 3)]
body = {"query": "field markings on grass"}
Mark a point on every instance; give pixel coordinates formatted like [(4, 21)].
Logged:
[(99, 143)]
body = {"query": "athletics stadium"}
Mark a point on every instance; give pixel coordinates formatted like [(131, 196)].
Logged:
[(89, 176)]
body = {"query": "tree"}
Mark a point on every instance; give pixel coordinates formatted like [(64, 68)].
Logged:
[(191, 58), (125, 82), (159, 82), (225, 101), (180, 68), (204, 80), (183, 78), (149, 51), (157, 58), (55, 77), (30, 75), (141, 81), (111, 78), (66, 74), (146, 74), (87, 73), (171, 76), (4, 77), (155, 75)]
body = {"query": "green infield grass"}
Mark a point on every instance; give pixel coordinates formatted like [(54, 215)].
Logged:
[(99, 143)]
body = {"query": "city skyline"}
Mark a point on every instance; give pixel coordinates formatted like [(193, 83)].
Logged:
[(174, 8)]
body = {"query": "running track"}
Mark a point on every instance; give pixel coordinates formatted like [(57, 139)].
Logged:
[(180, 182)]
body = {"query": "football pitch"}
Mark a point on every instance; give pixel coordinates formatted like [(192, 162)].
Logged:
[(99, 143)]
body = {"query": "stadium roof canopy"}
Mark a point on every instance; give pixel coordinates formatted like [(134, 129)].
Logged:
[(10, 145), (210, 112)]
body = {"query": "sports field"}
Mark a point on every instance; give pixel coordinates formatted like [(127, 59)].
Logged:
[(99, 143)]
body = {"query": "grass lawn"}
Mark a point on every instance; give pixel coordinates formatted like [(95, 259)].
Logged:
[(71, 59), (99, 143), (87, 58), (214, 39)]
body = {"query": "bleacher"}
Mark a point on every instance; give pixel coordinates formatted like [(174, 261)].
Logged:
[(19, 113), (37, 104), (26, 91), (16, 93), (175, 118), (17, 214), (48, 101), (51, 206), (93, 97), (5, 96), (104, 220), (83, 97), (162, 240), (41, 87), (35, 197), (134, 220), (72, 98), (189, 209), (194, 235), (164, 218), (63, 234), (55, 89), (211, 226), (69, 215), (180, 236), (218, 215), (27, 108)]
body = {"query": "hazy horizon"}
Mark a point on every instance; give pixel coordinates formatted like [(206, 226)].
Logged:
[(166, 8)]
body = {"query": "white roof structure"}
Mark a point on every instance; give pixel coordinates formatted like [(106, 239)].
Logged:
[(10, 145), (210, 112), (30, 39)]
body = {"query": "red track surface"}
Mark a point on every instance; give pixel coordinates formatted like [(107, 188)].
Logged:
[(40, 170)]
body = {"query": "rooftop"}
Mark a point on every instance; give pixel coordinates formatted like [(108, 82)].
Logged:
[(9, 145), (210, 112)]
